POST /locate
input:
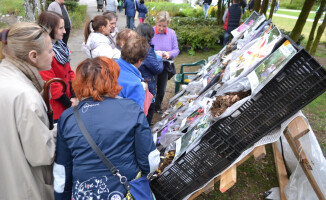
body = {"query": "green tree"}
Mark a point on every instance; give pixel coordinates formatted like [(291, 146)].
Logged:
[(295, 34), (264, 7), (272, 9), (320, 32), (257, 5), (314, 25)]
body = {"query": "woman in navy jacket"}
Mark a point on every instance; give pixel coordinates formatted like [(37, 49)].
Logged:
[(151, 66), (119, 128)]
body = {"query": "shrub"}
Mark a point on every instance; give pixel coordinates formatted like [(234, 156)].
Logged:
[(78, 16)]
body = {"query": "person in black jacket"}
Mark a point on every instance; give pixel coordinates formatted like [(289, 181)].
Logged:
[(151, 66), (206, 5), (243, 5), (231, 19)]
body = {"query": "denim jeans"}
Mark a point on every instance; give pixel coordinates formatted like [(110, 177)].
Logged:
[(205, 9), (226, 38), (130, 22)]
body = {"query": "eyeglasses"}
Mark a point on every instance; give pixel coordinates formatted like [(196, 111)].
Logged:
[(42, 31)]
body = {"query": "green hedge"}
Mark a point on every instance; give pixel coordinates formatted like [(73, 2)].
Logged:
[(181, 10), (195, 33)]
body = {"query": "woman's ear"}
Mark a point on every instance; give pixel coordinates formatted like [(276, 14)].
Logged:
[(32, 55)]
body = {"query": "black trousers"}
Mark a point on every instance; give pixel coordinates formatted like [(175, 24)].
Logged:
[(150, 113), (66, 36), (162, 80)]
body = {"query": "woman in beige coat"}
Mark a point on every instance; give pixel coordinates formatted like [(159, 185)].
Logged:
[(27, 146)]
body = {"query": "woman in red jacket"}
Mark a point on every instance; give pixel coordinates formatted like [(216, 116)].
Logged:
[(60, 67)]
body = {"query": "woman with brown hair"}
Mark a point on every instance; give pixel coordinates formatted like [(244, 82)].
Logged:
[(60, 66), (97, 42), (118, 127), (27, 146)]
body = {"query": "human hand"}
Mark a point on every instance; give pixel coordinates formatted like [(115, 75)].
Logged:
[(73, 102), (166, 55), (159, 53)]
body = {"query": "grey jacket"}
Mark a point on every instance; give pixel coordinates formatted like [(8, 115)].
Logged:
[(55, 7), (27, 146), (111, 5)]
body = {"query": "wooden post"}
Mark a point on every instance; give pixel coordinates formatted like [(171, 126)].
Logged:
[(281, 171), (296, 129), (228, 179)]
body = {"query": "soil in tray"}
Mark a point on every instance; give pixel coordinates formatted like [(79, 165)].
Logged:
[(223, 102)]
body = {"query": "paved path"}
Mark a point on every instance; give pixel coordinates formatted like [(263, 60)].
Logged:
[(77, 36)]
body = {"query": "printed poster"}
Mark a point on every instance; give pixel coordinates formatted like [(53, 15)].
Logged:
[(270, 67)]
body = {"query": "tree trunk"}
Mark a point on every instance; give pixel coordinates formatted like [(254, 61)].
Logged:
[(33, 9), (219, 13), (257, 5), (314, 25), (291, 2), (295, 34), (264, 7), (272, 9), (320, 32)]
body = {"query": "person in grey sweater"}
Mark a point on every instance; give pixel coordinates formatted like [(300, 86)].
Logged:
[(59, 7)]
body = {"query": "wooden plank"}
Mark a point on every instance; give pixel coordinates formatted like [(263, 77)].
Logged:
[(228, 179), (209, 187), (192, 197), (301, 156), (259, 152), (281, 171), (298, 127)]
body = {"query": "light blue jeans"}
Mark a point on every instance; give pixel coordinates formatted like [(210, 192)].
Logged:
[(205, 9)]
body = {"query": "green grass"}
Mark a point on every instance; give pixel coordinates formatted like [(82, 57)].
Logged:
[(288, 24), (15, 7), (253, 179), (295, 14)]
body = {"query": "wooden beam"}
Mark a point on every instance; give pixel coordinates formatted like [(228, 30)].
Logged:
[(209, 187), (298, 127), (301, 156), (259, 152), (228, 179), (281, 171)]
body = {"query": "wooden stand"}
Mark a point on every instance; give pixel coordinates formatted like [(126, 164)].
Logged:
[(296, 129)]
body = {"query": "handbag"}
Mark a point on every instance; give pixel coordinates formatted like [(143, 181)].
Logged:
[(147, 101), (138, 188), (169, 67)]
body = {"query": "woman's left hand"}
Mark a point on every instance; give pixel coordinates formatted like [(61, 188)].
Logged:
[(166, 55)]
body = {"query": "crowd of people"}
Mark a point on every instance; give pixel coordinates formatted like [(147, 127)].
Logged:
[(116, 91)]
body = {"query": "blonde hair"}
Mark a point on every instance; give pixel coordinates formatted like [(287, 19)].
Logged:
[(163, 16), (22, 38), (124, 35)]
